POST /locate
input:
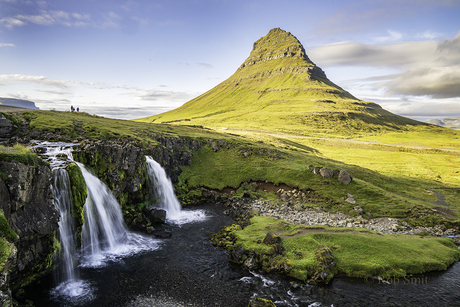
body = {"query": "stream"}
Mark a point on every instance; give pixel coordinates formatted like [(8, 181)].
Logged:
[(188, 271), (118, 267)]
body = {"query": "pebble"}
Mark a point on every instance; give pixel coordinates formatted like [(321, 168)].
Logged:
[(318, 216)]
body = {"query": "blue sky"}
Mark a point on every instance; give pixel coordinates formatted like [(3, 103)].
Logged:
[(130, 59)]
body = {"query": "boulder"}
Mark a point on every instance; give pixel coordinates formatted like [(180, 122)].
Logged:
[(157, 216), (237, 254), (271, 238), (327, 173), (260, 302), (344, 177), (251, 262)]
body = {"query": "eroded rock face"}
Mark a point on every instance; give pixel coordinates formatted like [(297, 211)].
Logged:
[(6, 126), (26, 200)]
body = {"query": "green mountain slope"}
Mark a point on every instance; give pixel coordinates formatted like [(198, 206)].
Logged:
[(279, 89)]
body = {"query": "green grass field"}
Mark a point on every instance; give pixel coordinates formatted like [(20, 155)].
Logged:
[(358, 252)]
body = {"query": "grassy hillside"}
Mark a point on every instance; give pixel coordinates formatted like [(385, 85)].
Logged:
[(279, 89), (387, 181)]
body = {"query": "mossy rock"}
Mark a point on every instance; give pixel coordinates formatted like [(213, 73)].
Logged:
[(260, 302), (79, 194)]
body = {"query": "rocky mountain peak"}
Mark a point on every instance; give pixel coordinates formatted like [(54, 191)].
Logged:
[(277, 44)]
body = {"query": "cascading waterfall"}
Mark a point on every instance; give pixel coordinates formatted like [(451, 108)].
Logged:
[(163, 188), (62, 200), (104, 235)]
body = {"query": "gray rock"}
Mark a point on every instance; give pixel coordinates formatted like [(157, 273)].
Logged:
[(6, 126), (271, 238), (237, 254), (327, 173), (157, 216), (344, 177)]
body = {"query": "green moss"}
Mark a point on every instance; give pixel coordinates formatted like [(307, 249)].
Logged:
[(357, 253), (5, 229), (21, 154), (42, 268), (79, 193)]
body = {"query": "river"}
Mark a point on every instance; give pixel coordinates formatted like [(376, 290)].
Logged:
[(188, 271)]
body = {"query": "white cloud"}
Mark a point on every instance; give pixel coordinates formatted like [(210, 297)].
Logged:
[(7, 45), (205, 65), (35, 79), (393, 36), (10, 22), (429, 67), (154, 95), (47, 18)]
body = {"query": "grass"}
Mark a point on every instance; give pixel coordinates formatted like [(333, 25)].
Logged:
[(379, 194), (278, 89), (20, 153), (358, 252), (7, 235)]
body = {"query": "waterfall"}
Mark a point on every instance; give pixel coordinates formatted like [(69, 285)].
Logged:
[(103, 230), (104, 236), (163, 188), (62, 200)]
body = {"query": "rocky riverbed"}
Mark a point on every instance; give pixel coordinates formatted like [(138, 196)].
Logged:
[(297, 214)]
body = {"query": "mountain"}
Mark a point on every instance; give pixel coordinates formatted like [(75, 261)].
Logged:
[(449, 122), (18, 103), (278, 88)]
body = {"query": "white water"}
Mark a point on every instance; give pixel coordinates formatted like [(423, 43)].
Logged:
[(168, 201), (104, 235)]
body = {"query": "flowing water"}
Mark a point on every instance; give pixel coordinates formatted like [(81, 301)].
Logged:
[(185, 270), (168, 201)]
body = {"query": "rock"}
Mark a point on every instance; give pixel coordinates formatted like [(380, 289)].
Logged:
[(284, 197), (358, 209), (278, 250), (260, 302), (237, 254), (327, 173), (149, 229), (271, 238), (157, 216), (6, 126), (215, 147), (251, 262), (350, 200), (163, 234), (26, 200), (247, 195), (316, 170), (326, 261), (344, 177)]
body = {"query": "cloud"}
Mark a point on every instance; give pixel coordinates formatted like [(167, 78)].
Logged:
[(10, 22), (393, 36), (205, 65), (47, 18), (36, 79), (428, 67), (153, 95), (7, 45)]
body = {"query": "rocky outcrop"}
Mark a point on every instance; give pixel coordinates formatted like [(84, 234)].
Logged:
[(119, 165), (7, 127), (26, 200), (342, 176)]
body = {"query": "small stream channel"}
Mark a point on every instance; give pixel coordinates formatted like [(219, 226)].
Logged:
[(188, 271)]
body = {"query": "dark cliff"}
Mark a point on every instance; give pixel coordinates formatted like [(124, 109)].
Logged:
[(26, 200)]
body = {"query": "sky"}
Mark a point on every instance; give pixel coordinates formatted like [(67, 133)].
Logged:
[(135, 58)]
